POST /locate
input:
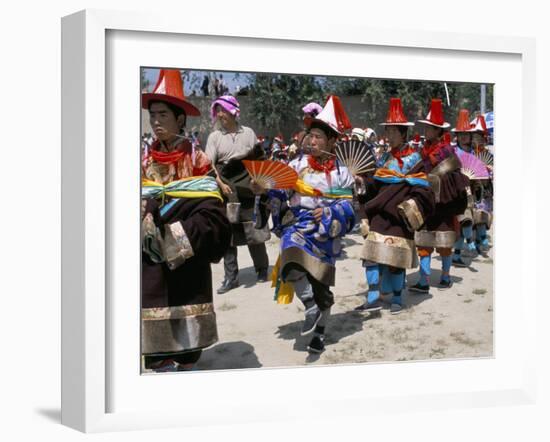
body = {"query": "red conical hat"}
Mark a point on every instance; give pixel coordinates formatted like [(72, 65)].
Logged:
[(435, 116), (169, 88), (333, 115), (396, 116), (463, 122), (478, 124)]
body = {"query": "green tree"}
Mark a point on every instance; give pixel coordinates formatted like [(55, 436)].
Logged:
[(144, 81), (415, 95), (277, 99)]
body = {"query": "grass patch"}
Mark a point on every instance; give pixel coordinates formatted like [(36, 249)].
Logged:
[(479, 291), (438, 322), (467, 301), (437, 352), (399, 336), (461, 338), (225, 307)]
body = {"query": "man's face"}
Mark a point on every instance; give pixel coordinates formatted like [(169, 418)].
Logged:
[(431, 133), (477, 139), (163, 121), (464, 139), (393, 134), (319, 142), (224, 117)]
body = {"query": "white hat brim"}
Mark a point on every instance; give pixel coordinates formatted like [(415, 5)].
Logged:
[(327, 124), (408, 124), (462, 131), (429, 123)]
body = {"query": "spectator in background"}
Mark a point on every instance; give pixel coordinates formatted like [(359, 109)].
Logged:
[(222, 87), (358, 134), (204, 86)]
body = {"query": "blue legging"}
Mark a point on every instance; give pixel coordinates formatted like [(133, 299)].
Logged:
[(397, 278), (467, 233), (372, 272), (393, 280)]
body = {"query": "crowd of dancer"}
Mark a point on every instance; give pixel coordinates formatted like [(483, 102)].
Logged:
[(199, 205)]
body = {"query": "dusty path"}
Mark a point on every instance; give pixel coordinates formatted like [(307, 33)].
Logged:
[(256, 332)]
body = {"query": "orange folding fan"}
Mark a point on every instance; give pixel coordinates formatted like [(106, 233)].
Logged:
[(271, 174)]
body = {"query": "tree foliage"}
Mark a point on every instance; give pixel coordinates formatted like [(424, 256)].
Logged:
[(277, 99)]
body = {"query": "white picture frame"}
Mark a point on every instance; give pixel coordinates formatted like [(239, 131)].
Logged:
[(87, 213)]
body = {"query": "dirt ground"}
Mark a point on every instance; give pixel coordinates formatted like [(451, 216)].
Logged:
[(255, 331)]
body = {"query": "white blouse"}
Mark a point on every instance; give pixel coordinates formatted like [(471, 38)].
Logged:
[(340, 177)]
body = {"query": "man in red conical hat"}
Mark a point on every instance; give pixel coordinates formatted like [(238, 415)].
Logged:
[(449, 185), (463, 131), (482, 191), (398, 202), (184, 230), (171, 156), (479, 133)]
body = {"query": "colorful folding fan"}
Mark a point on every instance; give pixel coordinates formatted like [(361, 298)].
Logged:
[(271, 174), (356, 156), (473, 167), (486, 157)]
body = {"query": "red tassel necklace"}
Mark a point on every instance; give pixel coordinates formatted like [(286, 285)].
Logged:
[(328, 166), (397, 153)]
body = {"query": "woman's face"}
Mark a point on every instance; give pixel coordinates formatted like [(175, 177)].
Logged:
[(319, 142), (464, 139), (478, 139), (224, 117)]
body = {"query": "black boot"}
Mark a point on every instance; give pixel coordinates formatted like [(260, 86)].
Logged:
[(261, 275), (317, 343), (228, 284)]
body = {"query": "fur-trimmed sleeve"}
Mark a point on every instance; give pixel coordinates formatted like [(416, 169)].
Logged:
[(200, 227)]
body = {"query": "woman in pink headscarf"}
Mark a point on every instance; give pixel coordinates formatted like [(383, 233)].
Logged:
[(226, 147)]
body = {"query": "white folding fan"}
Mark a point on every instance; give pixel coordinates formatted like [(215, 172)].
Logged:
[(356, 156)]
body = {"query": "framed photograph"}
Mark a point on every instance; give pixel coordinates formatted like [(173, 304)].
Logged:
[(447, 349)]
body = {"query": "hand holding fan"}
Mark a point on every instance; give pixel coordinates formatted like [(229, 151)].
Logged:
[(473, 167), (271, 174), (356, 156)]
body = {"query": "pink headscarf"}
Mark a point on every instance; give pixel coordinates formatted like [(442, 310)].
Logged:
[(228, 102), (312, 109)]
